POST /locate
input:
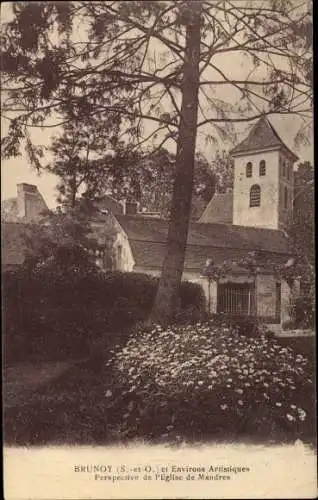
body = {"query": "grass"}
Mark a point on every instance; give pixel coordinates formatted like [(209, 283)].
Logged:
[(86, 404)]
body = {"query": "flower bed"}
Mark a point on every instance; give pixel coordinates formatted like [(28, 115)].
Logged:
[(205, 380)]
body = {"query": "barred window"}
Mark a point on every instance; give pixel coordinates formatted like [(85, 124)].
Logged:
[(249, 169), (255, 196), (262, 167)]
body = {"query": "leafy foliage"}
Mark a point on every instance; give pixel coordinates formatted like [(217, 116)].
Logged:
[(223, 168), (81, 155), (59, 310), (214, 382), (113, 72), (61, 242)]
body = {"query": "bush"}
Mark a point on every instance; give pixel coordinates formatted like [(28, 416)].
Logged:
[(192, 295), (61, 315), (303, 312), (210, 381)]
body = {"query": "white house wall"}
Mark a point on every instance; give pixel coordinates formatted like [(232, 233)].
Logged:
[(127, 261), (267, 214)]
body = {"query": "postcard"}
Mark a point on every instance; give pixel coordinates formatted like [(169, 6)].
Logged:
[(158, 263)]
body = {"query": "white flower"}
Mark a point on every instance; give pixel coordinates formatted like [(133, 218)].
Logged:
[(224, 407), (108, 393), (240, 402), (290, 417), (302, 414), (293, 407), (239, 391), (200, 382), (278, 404)]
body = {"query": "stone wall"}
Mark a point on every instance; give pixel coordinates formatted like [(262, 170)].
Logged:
[(266, 292), (266, 296)]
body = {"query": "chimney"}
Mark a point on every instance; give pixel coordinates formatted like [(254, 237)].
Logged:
[(131, 208), (30, 203)]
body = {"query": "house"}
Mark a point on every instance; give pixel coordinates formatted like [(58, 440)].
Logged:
[(252, 218), (112, 250)]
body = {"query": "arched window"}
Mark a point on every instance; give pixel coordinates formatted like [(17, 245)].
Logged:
[(255, 196), (262, 167), (285, 197), (249, 169)]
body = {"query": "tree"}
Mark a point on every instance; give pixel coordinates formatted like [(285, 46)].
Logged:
[(90, 161), (302, 230), (223, 167), (148, 179), (160, 63), (61, 242), (81, 154)]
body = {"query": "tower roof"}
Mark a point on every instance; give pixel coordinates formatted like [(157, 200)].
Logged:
[(261, 136), (219, 209)]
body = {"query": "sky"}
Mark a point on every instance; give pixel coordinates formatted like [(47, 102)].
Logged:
[(17, 170)]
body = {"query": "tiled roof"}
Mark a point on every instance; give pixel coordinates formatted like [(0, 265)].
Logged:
[(261, 136), (219, 209), (202, 234), (147, 238), (150, 255)]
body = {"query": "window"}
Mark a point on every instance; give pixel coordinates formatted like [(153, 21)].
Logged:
[(285, 197), (249, 169), (237, 299), (262, 167), (284, 169), (255, 196)]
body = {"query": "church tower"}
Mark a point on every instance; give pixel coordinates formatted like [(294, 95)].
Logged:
[(263, 179)]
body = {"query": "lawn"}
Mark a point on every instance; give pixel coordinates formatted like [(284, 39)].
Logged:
[(186, 383)]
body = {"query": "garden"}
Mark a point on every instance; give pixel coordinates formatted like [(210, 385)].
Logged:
[(199, 379), (199, 382)]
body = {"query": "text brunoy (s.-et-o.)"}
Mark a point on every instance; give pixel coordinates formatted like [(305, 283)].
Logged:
[(166, 473)]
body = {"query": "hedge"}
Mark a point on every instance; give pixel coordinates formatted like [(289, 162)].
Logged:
[(53, 316)]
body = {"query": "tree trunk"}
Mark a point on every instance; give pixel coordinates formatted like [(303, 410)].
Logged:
[(166, 302)]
